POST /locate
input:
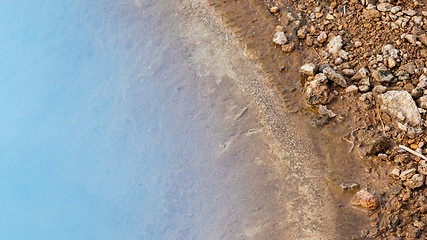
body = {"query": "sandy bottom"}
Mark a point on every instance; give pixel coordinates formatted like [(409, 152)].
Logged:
[(244, 168)]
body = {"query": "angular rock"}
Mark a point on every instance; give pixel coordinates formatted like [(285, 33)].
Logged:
[(395, 102), (320, 77), (280, 38), (322, 37), (416, 181), (335, 77), (335, 45), (379, 89), (422, 167), (348, 72), (395, 9), (409, 68), (317, 93), (302, 32), (383, 75), (364, 199), (411, 38), (385, 7), (422, 102), (409, 12), (351, 89), (395, 173), (407, 174), (308, 69), (423, 39), (287, 48), (422, 82), (371, 14)]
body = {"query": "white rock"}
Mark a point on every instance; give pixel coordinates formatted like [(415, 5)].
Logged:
[(335, 45), (393, 102), (322, 37), (308, 69), (395, 9), (384, 7), (280, 38)]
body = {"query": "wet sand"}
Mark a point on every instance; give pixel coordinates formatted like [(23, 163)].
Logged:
[(259, 173)]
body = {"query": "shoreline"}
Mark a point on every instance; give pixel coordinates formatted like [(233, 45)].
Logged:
[(298, 160), (358, 109)]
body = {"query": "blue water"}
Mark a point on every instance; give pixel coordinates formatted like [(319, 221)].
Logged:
[(80, 142)]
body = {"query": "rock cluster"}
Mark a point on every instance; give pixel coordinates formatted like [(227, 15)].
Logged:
[(372, 53)]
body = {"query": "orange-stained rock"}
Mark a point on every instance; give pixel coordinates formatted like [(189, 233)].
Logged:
[(364, 199)]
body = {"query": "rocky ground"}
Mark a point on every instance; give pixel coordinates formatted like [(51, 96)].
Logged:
[(366, 61)]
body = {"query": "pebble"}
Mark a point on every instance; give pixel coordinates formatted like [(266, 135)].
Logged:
[(334, 45), (395, 173), (410, 38), (308, 69), (351, 89), (320, 77), (358, 44), (274, 9), (366, 200), (385, 7), (287, 48), (383, 75), (416, 181), (409, 12), (379, 89), (423, 102), (280, 38), (363, 88), (395, 9), (407, 174), (348, 72), (322, 37), (335, 77)]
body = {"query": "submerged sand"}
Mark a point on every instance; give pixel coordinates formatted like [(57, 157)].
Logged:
[(256, 172)]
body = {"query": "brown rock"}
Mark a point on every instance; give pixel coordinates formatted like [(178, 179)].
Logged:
[(287, 48), (364, 199)]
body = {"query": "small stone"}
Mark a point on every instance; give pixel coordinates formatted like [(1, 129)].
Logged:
[(422, 82), (366, 200), (379, 89), (317, 93), (363, 88), (423, 39), (422, 167), (302, 32), (287, 48), (416, 181), (395, 9), (391, 63), (329, 17), (414, 146), (411, 38), (400, 117), (358, 44), (334, 45), (409, 68), (383, 75), (371, 14), (348, 72), (423, 102), (351, 89), (274, 9), (322, 37), (384, 7), (409, 12), (395, 173), (343, 54), (407, 174), (320, 77), (308, 69), (280, 38), (335, 77)]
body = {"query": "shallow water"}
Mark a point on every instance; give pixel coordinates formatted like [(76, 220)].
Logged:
[(117, 126)]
